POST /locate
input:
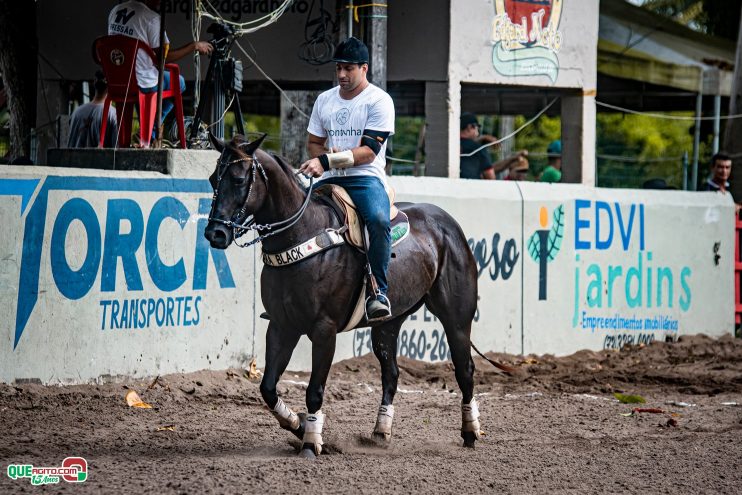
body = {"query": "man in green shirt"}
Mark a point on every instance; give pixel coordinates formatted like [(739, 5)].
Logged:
[(553, 171)]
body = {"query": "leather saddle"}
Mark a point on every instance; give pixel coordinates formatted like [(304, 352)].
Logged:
[(340, 201)]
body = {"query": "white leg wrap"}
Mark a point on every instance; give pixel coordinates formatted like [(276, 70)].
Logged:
[(313, 430), (384, 421), (470, 418), (287, 418)]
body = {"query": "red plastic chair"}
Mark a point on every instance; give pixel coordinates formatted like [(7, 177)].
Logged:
[(117, 55)]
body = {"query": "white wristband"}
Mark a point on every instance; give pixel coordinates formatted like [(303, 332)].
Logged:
[(341, 159)]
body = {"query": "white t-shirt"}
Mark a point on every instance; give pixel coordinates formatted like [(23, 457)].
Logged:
[(136, 20), (342, 122)]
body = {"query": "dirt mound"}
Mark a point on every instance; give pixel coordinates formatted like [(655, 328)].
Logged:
[(694, 364)]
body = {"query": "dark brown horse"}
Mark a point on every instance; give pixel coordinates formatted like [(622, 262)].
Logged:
[(316, 296)]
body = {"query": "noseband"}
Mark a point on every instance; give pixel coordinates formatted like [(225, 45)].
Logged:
[(241, 228)]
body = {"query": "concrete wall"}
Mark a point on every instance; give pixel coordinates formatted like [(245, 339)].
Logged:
[(517, 43), (562, 268), (489, 44)]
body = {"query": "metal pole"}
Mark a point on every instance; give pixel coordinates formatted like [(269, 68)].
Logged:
[(685, 170), (717, 122), (350, 18), (696, 141)]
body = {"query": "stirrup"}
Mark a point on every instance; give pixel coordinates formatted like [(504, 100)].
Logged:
[(378, 308)]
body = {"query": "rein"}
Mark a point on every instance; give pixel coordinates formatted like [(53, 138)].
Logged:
[(240, 229)]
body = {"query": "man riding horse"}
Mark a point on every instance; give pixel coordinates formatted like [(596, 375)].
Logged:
[(312, 282), (348, 130)]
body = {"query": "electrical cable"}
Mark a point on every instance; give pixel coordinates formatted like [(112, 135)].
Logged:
[(248, 26), (283, 93), (663, 115), (498, 141)]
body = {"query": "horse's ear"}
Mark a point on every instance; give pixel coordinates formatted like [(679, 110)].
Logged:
[(217, 143), (249, 148)]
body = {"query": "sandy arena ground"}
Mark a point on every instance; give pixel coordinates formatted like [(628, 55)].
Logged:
[(554, 427)]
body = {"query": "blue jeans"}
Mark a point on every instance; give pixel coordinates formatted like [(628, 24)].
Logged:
[(372, 204), (167, 103)]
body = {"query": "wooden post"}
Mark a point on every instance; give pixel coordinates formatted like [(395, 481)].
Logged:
[(294, 125), (732, 142), (376, 42)]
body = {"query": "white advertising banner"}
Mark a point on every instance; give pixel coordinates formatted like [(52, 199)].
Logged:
[(106, 274), (111, 275)]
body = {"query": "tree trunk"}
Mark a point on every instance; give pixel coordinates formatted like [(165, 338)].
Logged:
[(18, 70), (733, 132), (294, 125)]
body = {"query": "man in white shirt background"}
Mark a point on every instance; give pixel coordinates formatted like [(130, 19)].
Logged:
[(140, 19)]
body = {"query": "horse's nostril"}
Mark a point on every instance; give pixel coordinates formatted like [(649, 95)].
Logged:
[(217, 237)]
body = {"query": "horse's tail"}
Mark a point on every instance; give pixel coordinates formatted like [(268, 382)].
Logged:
[(508, 370)]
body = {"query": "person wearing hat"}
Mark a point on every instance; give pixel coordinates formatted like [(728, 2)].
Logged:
[(475, 163), (553, 171), (518, 169), (348, 133)]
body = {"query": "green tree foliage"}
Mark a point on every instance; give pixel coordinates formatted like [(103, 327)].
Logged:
[(716, 17), (633, 148)]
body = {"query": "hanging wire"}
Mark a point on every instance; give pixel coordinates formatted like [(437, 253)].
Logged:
[(317, 48), (664, 115), (498, 141), (248, 26), (196, 34), (271, 81), (364, 6)]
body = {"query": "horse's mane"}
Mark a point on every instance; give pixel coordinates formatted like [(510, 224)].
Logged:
[(287, 169), (290, 172)]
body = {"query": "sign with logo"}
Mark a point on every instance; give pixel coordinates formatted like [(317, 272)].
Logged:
[(614, 272), (526, 38), (72, 470), (122, 264)]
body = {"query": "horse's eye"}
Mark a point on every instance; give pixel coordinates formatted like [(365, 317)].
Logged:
[(239, 181)]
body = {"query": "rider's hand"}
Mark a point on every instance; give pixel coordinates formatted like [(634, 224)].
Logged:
[(203, 47), (312, 168)]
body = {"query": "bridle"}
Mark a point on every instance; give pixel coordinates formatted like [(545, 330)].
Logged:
[(241, 228)]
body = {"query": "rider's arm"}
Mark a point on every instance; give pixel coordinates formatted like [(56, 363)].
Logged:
[(316, 145)]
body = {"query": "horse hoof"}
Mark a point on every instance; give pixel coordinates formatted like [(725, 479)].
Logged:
[(307, 454), (382, 438), (469, 439)]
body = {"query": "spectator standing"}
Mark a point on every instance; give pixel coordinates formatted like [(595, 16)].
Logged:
[(553, 170)]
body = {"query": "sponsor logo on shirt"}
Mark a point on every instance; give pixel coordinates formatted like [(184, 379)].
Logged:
[(342, 116)]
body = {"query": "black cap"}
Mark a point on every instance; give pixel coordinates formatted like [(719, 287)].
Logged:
[(468, 118), (351, 51)]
